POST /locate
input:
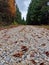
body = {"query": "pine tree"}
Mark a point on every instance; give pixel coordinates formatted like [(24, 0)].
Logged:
[(37, 12), (23, 21), (18, 15)]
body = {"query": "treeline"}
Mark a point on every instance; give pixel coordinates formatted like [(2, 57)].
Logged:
[(18, 17), (38, 12), (9, 13)]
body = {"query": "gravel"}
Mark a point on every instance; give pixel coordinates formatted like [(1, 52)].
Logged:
[(24, 45)]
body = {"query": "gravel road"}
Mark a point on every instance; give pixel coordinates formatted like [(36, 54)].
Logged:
[(24, 45)]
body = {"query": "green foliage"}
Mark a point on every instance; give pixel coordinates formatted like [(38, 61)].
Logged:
[(18, 15), (18, 18), (14, 23), (38, 12), (23, 21)]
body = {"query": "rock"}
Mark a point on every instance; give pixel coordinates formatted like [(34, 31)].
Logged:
[(19, 60), (47, 59), (32, 53), (7, 58), (36, 61), (28, 57), (2, 62), (0, 53), (24, 57), (23, 62)]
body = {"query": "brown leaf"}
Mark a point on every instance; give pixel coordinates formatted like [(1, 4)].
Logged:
[(18, 54), (41, 63), (0, 45), (33, 61), (21, 40), (47, 53), (16, 41), (43, 44), (24, 48)]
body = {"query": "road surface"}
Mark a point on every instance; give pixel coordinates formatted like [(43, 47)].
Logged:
[(24, 45)]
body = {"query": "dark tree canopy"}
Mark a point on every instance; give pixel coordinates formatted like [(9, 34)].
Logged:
[(38, 12), (18, 15), (7, 11)]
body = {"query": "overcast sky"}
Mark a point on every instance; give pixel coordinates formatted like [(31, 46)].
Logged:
[(23, 6)]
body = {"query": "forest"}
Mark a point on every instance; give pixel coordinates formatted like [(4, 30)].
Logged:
[(38, 13), (24, 40)]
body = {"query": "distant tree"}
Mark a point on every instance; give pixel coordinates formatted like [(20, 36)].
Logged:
[(23, 21), (7, 11), (38, 12), (18, 18)]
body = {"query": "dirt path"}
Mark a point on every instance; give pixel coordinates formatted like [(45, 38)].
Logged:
[(24, 45)]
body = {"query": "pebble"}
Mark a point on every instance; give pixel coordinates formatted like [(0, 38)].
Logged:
[(7, 58)]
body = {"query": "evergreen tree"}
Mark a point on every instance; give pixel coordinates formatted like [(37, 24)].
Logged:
[(38, 12), (18, 18), (23, 21), (18, 15)]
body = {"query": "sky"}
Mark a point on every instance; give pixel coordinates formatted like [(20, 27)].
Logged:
[(23, 7)]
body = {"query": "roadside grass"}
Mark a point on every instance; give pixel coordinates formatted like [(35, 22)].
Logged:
[(43, 26), (14, 24)]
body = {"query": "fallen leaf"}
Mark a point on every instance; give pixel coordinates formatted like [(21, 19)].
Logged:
[(18, 54), (47, 53), (43, 44), (41, 63), (33, 61), (15, 41), (24, 48)]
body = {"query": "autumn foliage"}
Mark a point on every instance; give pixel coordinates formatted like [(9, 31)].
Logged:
[(7, 11), (12, 9)]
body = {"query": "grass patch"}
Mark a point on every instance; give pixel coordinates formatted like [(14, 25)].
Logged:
[(14, 24), (43, 26)]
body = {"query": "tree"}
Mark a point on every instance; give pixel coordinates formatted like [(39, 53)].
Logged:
[(18, 15), (7, 11), (37, 12), (23, 21)]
